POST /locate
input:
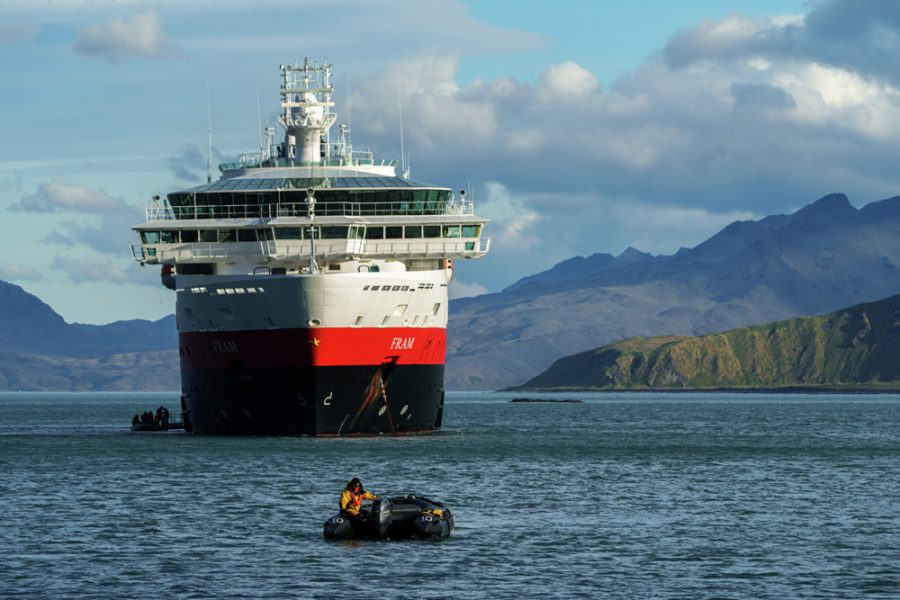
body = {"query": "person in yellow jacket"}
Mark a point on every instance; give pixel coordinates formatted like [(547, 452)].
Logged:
[(352, 497)]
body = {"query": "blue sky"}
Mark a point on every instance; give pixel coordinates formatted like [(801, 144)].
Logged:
[(580, 127)]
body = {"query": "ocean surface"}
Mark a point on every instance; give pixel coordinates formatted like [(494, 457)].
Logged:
[(630, 496)]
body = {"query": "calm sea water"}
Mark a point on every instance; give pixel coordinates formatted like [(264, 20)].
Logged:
[(691, 496)]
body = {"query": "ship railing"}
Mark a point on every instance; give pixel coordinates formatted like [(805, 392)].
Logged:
[(370, 209), (299, 209), (358, 158), (283, 249), (160, 213), (384, 248)]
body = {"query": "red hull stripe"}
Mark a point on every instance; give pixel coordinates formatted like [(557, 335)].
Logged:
[(320, 347)]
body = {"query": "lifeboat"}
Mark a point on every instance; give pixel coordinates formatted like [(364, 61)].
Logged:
[(167, 275), (401, 517)]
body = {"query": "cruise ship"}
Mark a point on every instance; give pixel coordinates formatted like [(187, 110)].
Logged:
[(310, 281)]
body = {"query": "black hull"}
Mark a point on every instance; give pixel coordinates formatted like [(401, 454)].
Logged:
[(315, 401)]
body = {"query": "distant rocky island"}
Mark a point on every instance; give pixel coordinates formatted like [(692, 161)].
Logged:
[(39, 351), (852, 349), (546, 401)]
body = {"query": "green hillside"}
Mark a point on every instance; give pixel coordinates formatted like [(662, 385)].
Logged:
[(857, 347)]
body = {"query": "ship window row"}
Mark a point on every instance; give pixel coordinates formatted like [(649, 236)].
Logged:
[(303, 183), (250, 205), (230, 291), (353, 232), (388, 288)]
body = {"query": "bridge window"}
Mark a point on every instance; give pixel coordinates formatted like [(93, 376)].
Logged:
[(334, 233), (189, 236), (227, 235), (264, 234), (246, 235), (209, 235), (451, 231), (289, 233), (168, 237), (470, 231), (393, 233), (374, 233), (413, 231), (432, 231), (150, 237)]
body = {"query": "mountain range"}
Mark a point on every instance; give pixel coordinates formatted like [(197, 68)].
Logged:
[(823, 257), (40, 351), (850, 349)]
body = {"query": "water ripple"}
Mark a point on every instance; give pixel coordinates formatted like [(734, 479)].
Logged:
[(633, 496)]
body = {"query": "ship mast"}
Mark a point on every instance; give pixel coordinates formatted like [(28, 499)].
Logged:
[(306, 98)]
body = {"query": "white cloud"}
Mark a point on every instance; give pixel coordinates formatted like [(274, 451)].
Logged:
[(57, 196), (110, 234), (567, 82), (664, 158), (119, 39), (103, 223), (717, 39), (19, 272), (459, 289), (88, 268), (835, 97), (512, 220)]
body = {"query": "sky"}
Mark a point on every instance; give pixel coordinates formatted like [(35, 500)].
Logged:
[(578, 127)]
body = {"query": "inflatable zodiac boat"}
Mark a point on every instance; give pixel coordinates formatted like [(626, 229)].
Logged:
[(394, 518)]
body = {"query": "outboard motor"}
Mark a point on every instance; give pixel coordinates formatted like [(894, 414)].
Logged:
[(381, 517)]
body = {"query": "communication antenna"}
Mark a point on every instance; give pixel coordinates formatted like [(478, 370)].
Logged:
[(404, 163), (259, 124), (347, 91), (209, 150), (349, 148)]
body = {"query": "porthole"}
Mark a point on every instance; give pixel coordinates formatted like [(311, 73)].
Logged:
[(314, 322)]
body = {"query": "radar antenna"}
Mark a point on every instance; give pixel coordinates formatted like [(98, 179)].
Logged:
[(209, 149)]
